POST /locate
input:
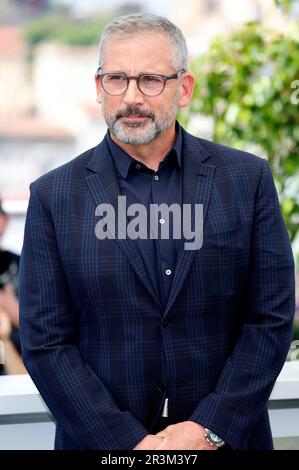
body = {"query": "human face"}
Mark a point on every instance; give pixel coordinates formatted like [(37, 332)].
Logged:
[(133, 117)]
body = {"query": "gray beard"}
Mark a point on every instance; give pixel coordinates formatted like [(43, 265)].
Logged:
[(130, 133)]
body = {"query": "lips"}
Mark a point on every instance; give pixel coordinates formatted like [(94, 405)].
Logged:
[(134, 117)]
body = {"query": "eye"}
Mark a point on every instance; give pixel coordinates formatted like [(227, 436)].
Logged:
[(151, 79), (114, 78)]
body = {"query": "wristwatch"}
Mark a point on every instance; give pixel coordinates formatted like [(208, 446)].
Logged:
[(212, 438)]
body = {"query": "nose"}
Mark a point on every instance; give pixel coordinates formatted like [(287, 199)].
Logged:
[(133, 95)]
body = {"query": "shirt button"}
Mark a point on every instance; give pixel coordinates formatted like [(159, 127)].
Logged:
[(156, 177), (161, 387), (138, 166), (168, 272), (162, 221)]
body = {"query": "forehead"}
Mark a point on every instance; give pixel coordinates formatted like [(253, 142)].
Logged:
[(149, 51)]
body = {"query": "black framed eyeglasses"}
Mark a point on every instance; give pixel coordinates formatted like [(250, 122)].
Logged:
[(149, 84)]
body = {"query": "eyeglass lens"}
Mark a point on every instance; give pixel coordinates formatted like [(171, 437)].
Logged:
[(148, 84)]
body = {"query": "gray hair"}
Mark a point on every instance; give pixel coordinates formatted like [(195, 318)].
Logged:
[(141, 22)]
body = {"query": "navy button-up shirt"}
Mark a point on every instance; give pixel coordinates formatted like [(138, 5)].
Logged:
[(142, 185)]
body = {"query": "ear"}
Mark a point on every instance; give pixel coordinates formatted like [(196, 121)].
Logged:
[(98, 88), (186, 88)]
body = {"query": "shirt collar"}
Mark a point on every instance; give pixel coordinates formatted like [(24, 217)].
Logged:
[(123, 161)]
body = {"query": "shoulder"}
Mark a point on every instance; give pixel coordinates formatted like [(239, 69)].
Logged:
[(227, 154), (224, 156), (67, 170), (232, 164), (68, 178)]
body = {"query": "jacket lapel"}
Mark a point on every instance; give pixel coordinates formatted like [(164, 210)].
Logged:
[(197, 184), (104, 187)]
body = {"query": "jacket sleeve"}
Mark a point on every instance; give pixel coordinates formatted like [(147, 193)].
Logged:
[(247, 379), (75, 395)]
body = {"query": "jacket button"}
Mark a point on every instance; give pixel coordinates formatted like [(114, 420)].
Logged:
[(161, 387), (166, 323)]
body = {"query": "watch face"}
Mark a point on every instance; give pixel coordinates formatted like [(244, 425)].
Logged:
[(214, 437)]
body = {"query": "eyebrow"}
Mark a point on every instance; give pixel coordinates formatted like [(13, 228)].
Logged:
[(140, 73)]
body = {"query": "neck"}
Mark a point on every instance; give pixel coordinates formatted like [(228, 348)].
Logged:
[(150, 154)]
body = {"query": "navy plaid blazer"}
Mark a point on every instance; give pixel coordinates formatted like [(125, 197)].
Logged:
[(97, 342)]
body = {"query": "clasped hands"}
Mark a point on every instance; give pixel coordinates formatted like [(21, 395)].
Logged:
[(186, 435)]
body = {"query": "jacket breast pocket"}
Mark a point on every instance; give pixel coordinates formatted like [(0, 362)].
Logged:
[(223, 260)]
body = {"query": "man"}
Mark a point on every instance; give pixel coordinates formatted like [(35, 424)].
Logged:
[(138, 342)]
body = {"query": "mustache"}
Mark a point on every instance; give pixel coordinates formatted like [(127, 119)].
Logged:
[(130, 111)]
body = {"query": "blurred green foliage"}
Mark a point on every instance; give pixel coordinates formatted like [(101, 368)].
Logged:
[(248, 84), (60, 27), (286, 5)]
